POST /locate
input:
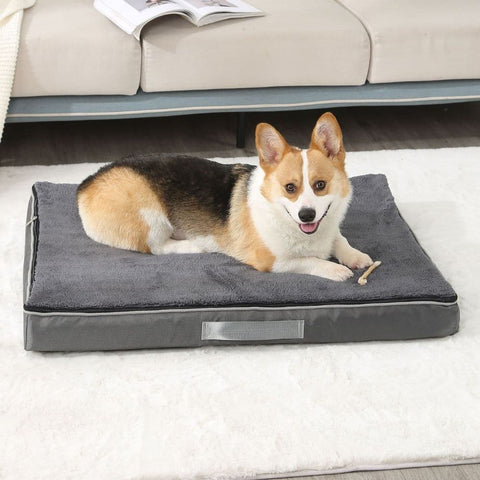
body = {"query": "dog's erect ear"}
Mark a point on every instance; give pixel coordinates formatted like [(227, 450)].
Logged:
[(327, 137), (271, 146)]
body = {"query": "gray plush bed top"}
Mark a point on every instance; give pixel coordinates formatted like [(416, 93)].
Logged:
[(71, 272)]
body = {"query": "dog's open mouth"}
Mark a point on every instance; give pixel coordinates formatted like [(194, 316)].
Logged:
[(310, 228)]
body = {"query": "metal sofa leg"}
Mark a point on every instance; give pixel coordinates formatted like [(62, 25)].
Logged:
[(241, 129)]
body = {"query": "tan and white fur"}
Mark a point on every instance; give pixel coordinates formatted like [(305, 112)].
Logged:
[(282, 216)]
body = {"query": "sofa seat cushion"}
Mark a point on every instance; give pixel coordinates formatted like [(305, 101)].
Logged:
[(421, 41), (68, 48), (315, 42)]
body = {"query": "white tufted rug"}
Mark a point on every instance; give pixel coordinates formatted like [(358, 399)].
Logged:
[(246, 412)]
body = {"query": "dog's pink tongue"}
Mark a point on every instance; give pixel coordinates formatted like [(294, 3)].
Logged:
[(308, 227)]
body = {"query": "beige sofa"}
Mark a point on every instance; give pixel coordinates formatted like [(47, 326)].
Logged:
[(74, 63)]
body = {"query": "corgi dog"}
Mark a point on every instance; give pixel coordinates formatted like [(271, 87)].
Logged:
[(281, 216)]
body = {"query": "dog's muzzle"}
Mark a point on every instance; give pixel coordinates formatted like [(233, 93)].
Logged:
[(306, 215)]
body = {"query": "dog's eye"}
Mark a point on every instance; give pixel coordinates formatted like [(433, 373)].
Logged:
[(290, 188), (319, 185)]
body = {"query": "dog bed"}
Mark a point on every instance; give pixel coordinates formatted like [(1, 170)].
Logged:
[(80, 295)]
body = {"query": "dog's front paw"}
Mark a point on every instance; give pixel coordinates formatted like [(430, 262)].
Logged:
[(355, 259), (336, 272)]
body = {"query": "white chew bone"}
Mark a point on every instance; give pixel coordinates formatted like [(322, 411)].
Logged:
[(363, 279)]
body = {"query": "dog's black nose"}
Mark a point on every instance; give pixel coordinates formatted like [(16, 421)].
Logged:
[(306, 214)]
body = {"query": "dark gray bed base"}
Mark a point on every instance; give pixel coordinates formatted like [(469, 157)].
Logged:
[(195, 328), (418, 312)]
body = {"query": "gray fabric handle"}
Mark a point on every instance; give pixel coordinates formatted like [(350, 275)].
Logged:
[(252, 330)]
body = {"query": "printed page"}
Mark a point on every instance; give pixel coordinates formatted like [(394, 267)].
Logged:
[(138, 12), (202, 8)]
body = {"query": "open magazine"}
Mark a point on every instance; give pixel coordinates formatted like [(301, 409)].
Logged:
[(132, 15)]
